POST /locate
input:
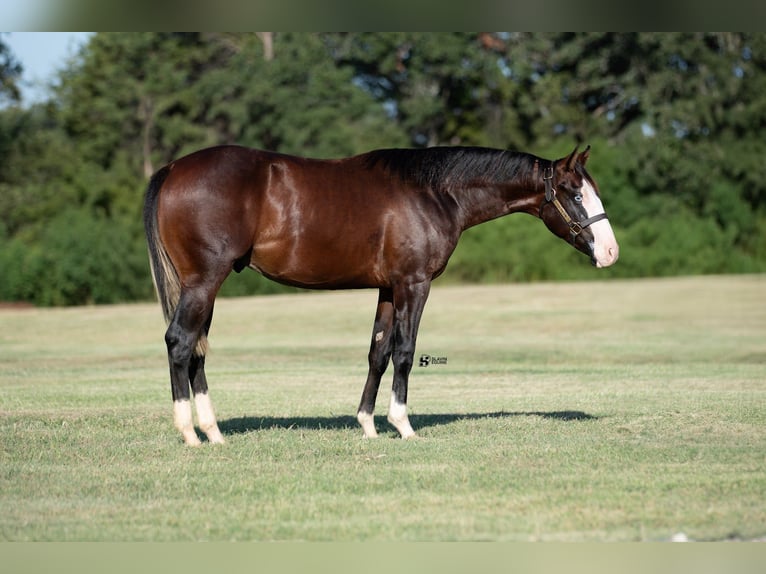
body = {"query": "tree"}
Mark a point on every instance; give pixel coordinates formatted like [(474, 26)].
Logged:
[(442, 88), (10, 73), (675, 120), (133, 97), (299, 101)]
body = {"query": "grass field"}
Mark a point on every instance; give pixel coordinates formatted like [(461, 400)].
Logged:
[(614, 411)]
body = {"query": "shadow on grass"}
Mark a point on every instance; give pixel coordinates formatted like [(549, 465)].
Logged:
[(248, 424)]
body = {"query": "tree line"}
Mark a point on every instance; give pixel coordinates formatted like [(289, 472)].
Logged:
[(675, 121)]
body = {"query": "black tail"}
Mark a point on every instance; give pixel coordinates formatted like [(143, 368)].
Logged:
[(166, 281)]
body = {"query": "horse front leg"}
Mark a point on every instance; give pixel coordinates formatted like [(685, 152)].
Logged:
[(409, 302), (380, 354)]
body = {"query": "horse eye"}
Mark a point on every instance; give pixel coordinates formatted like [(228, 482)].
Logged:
[(578, 198)]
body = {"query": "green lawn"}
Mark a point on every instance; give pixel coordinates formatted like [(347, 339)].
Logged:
[(619, 410)]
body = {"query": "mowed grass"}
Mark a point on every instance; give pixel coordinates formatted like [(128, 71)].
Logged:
[(605, 411)]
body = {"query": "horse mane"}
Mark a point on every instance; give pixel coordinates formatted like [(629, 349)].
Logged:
[(443, 167)]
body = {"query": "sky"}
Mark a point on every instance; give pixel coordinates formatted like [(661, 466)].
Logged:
[(42, 54)]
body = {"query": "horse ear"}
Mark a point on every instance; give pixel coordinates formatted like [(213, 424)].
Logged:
[(571, 158), (583, 157)]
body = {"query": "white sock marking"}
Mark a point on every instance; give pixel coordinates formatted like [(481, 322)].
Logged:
[(206, 418), (397, 416), (368, 424), (182, 418)]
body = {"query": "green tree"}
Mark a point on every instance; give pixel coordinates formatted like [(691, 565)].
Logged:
[(38, 173), (10, 73), (296, 101), (441, 88), (675, 121), (683, 113), (133, 97)]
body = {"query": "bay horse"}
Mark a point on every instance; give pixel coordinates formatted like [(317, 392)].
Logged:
[(388, 220)]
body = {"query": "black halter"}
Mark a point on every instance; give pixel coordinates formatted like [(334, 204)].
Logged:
[(575, 227)]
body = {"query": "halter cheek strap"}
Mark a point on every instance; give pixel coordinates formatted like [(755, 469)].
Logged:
[(575, 227)]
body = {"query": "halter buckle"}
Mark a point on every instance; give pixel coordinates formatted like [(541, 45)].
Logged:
[(550, 192)]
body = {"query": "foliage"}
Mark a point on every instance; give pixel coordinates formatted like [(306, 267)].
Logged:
[(78, 258), (10, 72), (675, 121)]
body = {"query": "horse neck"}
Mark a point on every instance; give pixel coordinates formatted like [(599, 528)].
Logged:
[(481, 202)]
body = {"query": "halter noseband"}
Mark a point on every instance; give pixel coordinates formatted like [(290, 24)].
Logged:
[(575, 227)]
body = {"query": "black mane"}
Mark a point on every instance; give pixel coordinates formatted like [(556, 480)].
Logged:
[(443, 167)]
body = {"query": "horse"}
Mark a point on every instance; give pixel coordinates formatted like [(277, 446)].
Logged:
[(388, 220)]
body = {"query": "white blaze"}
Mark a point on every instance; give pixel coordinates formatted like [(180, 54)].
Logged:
[(605, 248)]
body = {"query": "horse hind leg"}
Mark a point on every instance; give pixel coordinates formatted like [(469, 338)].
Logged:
[(187, 328), (205, 414)]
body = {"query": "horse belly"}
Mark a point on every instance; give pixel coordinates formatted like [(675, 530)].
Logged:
[(319, 263)]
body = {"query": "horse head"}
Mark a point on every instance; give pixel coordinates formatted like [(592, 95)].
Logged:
[(572, 209)]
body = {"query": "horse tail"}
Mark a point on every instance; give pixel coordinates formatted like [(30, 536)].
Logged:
[(164, 274), (167, 284)]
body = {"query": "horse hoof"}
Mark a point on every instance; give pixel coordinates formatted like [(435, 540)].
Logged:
[(192, 440)]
